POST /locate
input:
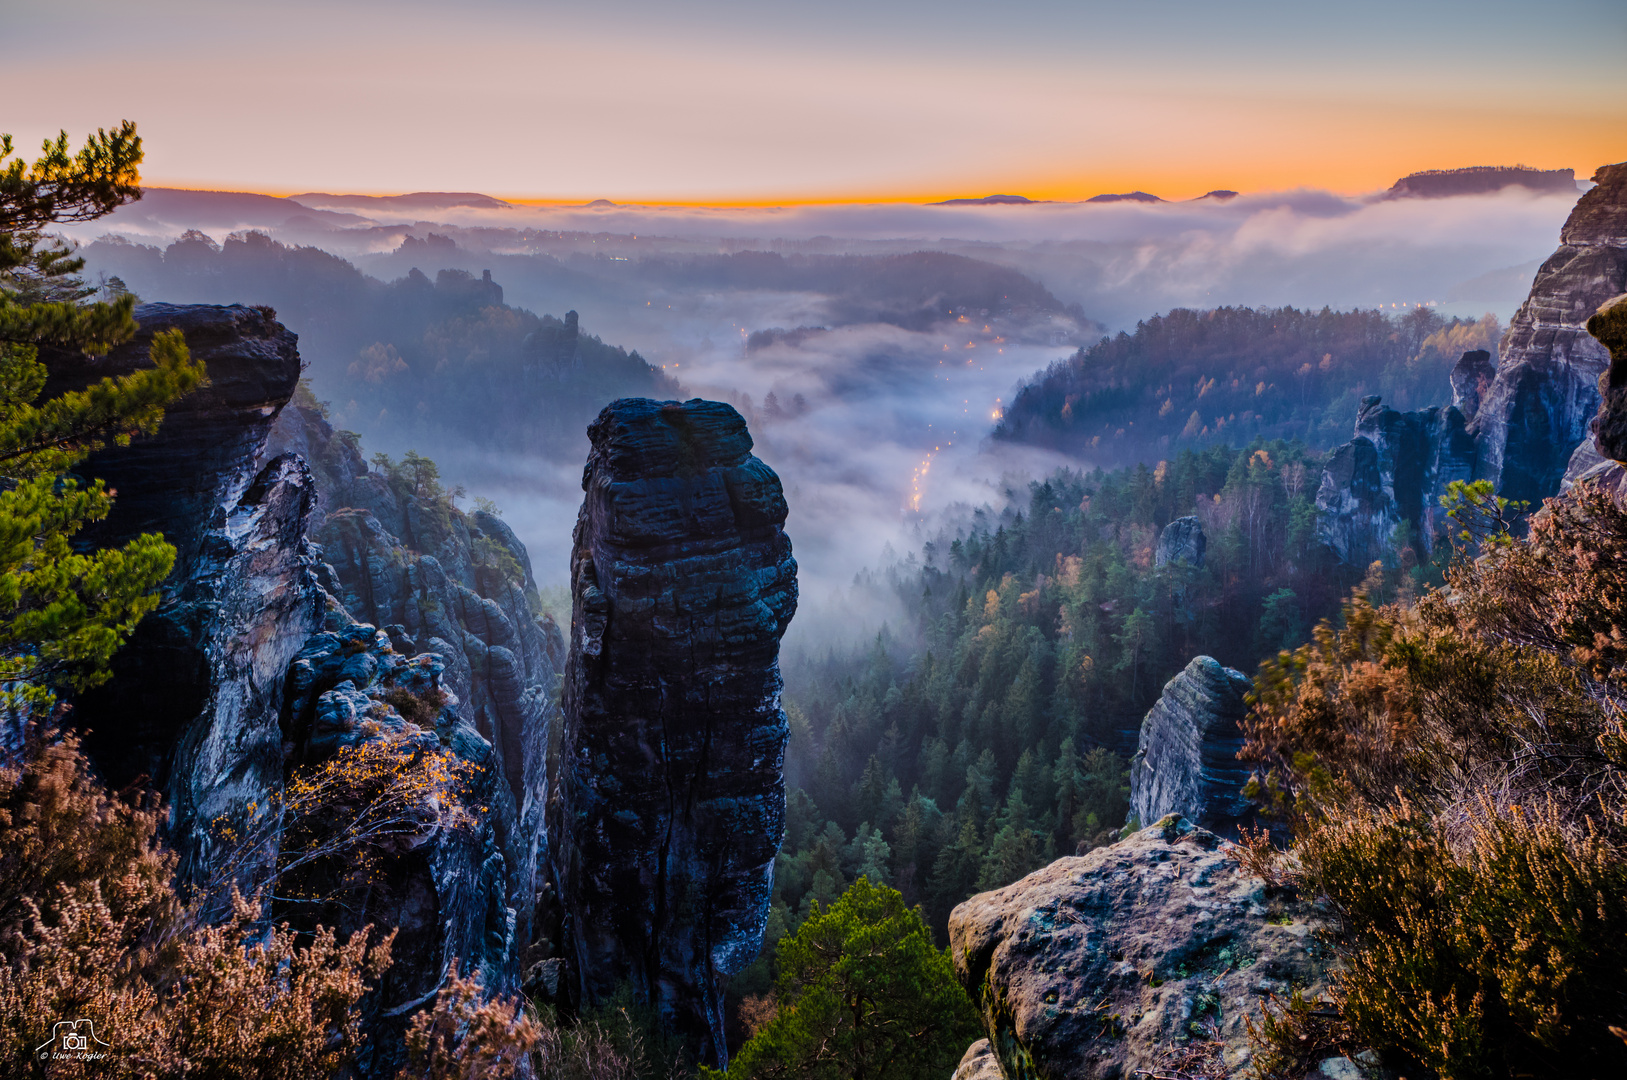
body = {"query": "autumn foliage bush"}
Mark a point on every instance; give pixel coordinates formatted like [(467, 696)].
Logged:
[(91, 925), (1457, 772)]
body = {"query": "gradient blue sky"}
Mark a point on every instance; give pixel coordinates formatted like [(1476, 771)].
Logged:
[(729, 101)]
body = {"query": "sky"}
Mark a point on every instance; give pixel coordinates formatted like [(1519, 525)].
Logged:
[(736, 102)]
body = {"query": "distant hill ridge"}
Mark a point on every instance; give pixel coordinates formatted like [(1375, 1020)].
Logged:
[(1481, 180), (417, 200)]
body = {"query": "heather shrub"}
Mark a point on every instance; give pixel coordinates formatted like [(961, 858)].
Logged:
[(467, 1035), (94, 928), (1456, 771)]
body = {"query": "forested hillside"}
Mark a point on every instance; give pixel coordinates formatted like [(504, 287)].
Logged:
[(990, 734), (1229, 375), (407, 358)]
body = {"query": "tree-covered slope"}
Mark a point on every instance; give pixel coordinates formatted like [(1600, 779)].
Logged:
[(408, 359), (1228, 375)]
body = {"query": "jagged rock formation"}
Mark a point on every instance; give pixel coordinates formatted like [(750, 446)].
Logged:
[(459, 586), (1523, 425), (1182, 540), (1108, 963), (251, 667), (196, 694), (1546, 391), (1471, 377), (415, 622), (673, 798), (1393, 471), (447, 892), (1186, 761)]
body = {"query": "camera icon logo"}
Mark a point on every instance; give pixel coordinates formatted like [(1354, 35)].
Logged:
[(76, 1037)]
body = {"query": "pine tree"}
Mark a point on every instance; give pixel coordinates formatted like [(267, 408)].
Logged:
[(64, 612), (862, 995)]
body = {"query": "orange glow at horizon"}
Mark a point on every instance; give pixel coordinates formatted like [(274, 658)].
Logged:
[(817, 127)]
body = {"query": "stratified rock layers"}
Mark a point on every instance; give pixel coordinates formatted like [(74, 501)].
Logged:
[(673, 796), (1538, 407), (1186, 762)]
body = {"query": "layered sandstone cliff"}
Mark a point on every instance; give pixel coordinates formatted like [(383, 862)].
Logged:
[(252, 669), (1186, 760), (1523, 424), (672, 794), (1546, 392), (196, 695)]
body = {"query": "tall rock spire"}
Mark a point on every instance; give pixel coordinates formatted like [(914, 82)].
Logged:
[(672, 793)]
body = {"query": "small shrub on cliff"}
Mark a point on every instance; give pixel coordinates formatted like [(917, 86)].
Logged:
[(93, 928), (467, 1035), (421, 709), (862, 995), (1457, 770), (334, 826)]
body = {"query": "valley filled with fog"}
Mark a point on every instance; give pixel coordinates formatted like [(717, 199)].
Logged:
[(871, 374)]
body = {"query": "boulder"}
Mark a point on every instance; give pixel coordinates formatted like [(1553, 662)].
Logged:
[(1182, 540), (1138, 956), (673, 795), (1186, 760), (979, 1063)]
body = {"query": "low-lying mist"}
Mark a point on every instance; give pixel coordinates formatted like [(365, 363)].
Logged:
[(872, 397)]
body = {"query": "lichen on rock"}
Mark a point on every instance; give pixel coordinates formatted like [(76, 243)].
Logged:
[(1116, 961)]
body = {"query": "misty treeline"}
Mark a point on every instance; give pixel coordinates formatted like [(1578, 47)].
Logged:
[(989, 733), (411, 358), (1229, 375)]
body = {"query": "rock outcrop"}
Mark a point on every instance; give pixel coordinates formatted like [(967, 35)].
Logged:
[(1546, 392), (415, 623), (196, 693), (1186, 760), (673, 800), (252, 666), (447, 891), (459, 586), (1182, 540), (1609, 326), (1523, 424), (1471, 377), (1394, 471), (1133, 957), (979, 1063)]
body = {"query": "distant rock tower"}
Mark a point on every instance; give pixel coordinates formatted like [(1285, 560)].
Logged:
[(672, 801), (1186, 762)]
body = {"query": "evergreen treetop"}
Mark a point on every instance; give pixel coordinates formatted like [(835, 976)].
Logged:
[(64, 612)]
